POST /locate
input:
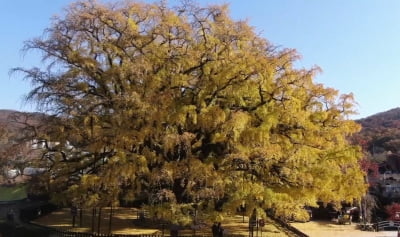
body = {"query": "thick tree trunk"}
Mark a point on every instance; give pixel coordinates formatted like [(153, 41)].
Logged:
[(80, 217), (110, 220), (93, 216), (99, 221)]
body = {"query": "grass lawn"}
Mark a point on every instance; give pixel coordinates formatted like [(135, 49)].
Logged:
[(17, 192), (125, 221)]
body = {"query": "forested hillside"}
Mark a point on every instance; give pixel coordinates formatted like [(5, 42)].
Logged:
[(8, 127), (15, 125), (14, 120), (381, 132), (6, 117), (17, 131)]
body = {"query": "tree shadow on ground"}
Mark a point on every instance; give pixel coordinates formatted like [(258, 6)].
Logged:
[(127, 221)]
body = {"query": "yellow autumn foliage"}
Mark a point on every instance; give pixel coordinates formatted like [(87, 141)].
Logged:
[(182, 107)]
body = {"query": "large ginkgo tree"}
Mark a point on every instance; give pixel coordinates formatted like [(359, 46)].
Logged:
[(185, 108)]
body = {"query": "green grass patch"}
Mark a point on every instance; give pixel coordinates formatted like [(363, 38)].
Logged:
[(11, 193)]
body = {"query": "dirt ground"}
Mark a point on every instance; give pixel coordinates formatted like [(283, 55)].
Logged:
[(332, 229), (125, 221)]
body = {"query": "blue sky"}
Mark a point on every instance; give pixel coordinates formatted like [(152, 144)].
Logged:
[(355, 42)]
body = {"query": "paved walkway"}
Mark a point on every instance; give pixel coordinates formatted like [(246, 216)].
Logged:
[(332, 229)]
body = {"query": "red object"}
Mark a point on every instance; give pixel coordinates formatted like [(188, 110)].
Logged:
[(393, 211), (261, 223)]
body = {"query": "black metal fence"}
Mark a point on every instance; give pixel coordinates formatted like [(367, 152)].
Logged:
[(61, 233), (383, 225)]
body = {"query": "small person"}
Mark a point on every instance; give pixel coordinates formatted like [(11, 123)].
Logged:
[(174, 232), (214, 229), (220, 230)]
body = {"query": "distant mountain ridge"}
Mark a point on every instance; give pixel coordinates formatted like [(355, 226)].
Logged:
[(7, 119), (12, 121), (10, 117), (381, 131), (5, 113), (390, 118)]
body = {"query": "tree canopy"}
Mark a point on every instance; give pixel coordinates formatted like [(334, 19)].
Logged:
[(186, 107)]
